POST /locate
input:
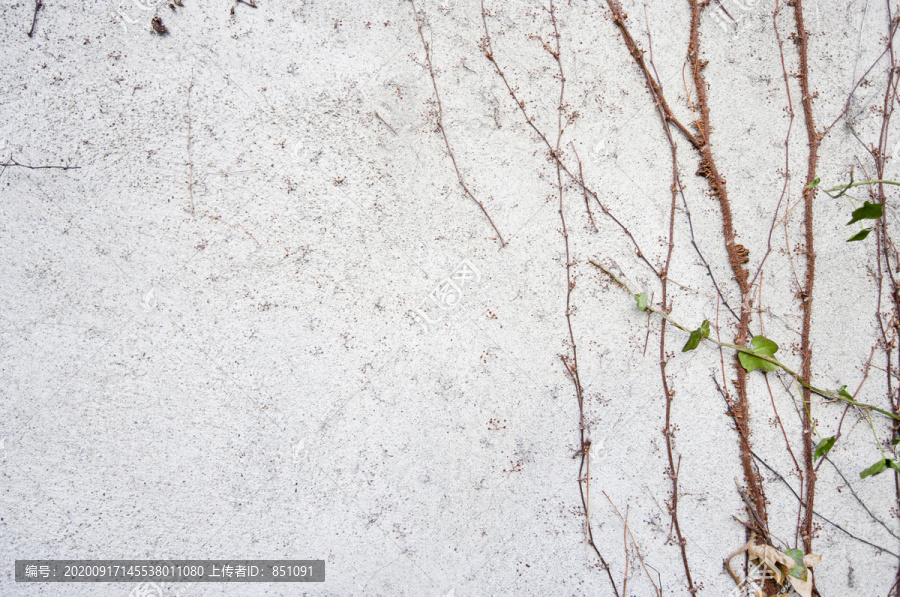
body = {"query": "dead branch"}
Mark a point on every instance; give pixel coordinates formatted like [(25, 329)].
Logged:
[(12, 163), (190, 161), (440, 124), (487, 48), (37, 6)]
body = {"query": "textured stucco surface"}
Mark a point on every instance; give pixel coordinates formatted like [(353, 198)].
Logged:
[(205, 332)]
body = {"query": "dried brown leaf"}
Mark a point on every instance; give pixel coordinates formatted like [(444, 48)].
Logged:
[(811, 559), (803, 587), (770, 557)]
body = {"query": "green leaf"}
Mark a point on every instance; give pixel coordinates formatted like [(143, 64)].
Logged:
[(875, 469), (893, 464), (813, 184), (641, 301), (799, 571), (896, 441), (824, 447), (697, 336), (869, 211), (843, 392), (860, 235), (763, 346)]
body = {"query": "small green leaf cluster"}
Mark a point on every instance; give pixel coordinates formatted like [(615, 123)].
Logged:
[(761, 355), (880, 467), (641, 301), (763, 346), (824, 447), (868, 211), (697, 336)]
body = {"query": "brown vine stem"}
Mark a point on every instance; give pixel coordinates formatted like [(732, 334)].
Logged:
[(637, 549), (736, 253), (655, 88), (709, 170), (668, 431), (809, 194), (488, 51), (440, 124), (584, 469), (884, 244), (787, 150), (831, 395), (189, 140)]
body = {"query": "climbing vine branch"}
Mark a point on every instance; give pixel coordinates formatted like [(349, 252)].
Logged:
[(836, 395)]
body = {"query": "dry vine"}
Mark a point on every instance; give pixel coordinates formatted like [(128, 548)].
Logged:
[(699, 135), (440, 124)]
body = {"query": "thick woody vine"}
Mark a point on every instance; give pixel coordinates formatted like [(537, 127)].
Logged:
[(790, 564)]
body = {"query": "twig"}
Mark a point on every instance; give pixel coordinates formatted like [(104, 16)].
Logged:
[(584, 482), (633, 542), (668, 431), (781, 478), (750, 543), (858, 499), (785, 189), (378, 116), (749, 351), (587, 199), (554, 154), (708, 170), (440, 124), (190, 161), (11, 163), (37, 6), (892, 26), (885, 247), (787, 443), (751, 509)]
